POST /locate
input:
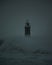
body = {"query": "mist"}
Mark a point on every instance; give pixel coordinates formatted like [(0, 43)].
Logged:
[(13, 15)]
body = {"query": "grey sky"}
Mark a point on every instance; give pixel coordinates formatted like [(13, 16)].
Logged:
[(13, 15)]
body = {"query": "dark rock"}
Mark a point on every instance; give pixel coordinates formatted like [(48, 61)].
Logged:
[(1, 42), (37, 51)]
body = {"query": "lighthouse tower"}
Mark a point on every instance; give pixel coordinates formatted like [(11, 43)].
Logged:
[(27, 28)]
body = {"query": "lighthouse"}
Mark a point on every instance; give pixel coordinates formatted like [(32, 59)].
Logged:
[(27, 28)]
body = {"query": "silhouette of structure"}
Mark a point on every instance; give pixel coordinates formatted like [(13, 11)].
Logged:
[(27, 28)]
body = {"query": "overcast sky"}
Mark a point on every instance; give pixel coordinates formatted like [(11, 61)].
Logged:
[(13, 15)]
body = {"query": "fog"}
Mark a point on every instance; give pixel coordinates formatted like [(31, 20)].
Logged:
[(13, 15), (15, 47)]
